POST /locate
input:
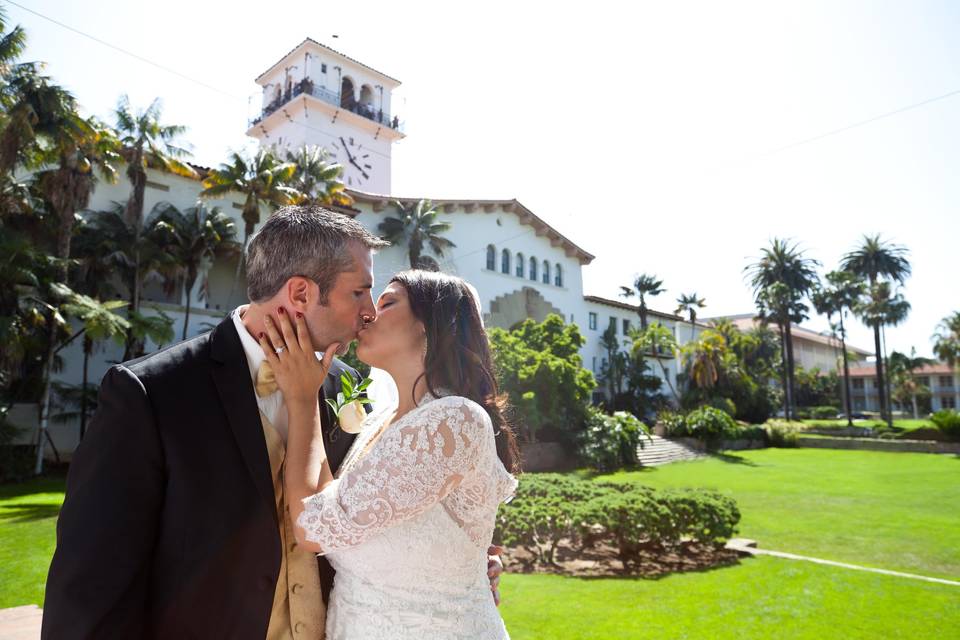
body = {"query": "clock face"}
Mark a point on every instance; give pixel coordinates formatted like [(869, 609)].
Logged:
[(357, 160)]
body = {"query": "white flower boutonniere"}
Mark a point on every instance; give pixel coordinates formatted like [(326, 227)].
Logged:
[(348, 407)]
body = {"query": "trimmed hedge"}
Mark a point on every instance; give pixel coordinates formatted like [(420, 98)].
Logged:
[(635, 519)]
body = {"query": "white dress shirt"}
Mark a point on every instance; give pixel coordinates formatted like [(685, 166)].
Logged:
[(272, 406)]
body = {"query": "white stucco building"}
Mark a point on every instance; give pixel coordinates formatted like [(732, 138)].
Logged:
[(521, 266)]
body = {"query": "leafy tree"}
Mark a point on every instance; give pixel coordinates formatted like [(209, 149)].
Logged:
[(262, 180), (946, 346), (906, 389), (880, 307), (689, 303), (781, 278), (146, 143), (317, 179), (193, 237), (416, 226), (659, 342), (840, 294), (539, 366), (643, 285), (876, 260)]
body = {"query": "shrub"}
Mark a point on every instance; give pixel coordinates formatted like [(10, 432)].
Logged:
[(783, 433), (711, 424), (551, 507), (823, 412), (610, 442), (948, 422), (674, 424)]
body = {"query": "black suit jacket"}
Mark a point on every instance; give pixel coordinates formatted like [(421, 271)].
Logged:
[(169, 526)]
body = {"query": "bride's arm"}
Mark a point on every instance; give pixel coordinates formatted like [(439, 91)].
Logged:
[(300, 375), (409, 469)]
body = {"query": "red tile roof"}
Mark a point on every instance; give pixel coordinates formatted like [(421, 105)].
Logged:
[(938, 368)]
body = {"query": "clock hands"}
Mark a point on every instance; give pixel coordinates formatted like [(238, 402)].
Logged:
[(352, 160), (347, 149)]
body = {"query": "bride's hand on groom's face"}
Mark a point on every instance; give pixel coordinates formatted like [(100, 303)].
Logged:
[(291, 354)]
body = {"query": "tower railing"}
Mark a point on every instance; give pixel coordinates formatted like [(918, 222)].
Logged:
[(332, 98)]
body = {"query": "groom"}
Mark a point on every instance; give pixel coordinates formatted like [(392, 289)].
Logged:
[(174, 523)]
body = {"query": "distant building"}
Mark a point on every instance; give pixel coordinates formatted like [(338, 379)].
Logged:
[(811, 350), (938, 377)]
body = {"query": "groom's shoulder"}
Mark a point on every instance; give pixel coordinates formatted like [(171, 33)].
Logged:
[(173, 359)]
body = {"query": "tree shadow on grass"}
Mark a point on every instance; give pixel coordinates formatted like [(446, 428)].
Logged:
[(733, 459), (27, 512)]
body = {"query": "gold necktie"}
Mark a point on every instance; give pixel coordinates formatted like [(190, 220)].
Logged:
[(266, 380)]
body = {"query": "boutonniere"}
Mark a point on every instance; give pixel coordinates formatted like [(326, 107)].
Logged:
[(348, 407)]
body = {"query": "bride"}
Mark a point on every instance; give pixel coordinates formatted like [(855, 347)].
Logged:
[(408, 519)]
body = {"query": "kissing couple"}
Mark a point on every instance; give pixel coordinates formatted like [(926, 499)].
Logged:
[(217, 494)]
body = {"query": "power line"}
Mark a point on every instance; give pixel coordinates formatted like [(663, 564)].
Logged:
[(125, 52), (855, 125)]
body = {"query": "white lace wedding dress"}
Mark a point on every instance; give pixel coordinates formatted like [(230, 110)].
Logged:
[(407, 523)]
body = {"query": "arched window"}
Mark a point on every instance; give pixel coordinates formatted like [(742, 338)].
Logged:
[(533, 268), (491, 257), (519, 265), (558, 276), (347, 97), (505, 262), (546, 272)]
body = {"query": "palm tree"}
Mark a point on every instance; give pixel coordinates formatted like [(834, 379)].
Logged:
[(82, 148), (780, 280), (261, 180), (643, 285), (841, 293), (659, 341), (879, 307), (689, 303), (317, 178), (706, 358), (873, 260), (146, 143), (12, 43), (901, 368), (415, 226), (35, 110), (193, 237), (946, 345)]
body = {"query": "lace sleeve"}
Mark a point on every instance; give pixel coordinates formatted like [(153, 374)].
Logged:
[(409, 469)]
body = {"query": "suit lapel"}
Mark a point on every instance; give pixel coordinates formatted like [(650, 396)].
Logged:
[(231, 375)]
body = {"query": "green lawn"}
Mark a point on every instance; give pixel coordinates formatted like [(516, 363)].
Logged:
[(28, 516), (904, 425), (760, 599), (890, 510), (897, 511)]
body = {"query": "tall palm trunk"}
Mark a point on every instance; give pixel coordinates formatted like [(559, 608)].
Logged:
[(889, 388), (846, 373), (783, 372), (790, 368), (881, 387)]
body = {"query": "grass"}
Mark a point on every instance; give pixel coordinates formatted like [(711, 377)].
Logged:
[(888, 510), (903, 426), (28, 517), (759, 599)]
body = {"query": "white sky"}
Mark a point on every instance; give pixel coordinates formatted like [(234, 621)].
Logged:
[(645, 132)]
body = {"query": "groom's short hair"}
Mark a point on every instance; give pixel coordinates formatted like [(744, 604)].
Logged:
[(307, 241)]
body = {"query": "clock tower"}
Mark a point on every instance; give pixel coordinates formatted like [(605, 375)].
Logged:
[(315, 95)]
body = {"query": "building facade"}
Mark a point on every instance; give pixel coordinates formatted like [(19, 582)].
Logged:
[(521, 266), (939, 378)]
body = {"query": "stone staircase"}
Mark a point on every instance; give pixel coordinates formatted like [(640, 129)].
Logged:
[(663, 451)]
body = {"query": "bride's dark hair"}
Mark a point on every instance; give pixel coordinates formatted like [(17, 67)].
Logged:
[(458, 353)]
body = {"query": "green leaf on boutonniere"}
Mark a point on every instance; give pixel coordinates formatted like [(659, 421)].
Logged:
[(350, 392)]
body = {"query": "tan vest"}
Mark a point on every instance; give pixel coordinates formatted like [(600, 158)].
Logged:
[(298, 611)]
